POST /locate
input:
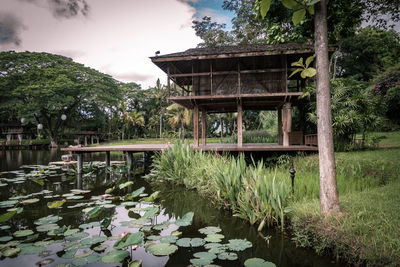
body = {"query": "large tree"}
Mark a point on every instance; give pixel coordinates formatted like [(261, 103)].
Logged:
[(42, 87)]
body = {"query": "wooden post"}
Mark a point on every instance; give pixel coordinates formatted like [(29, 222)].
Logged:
[(279, 126), (85, 140), (196, 126), (129, 160), (108, 159), (238, 90), (79, 165), (203, 127), (287, 122), (168, 82), (239, 125), (211, 78)]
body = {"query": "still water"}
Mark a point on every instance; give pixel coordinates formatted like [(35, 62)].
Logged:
[(25, 176)]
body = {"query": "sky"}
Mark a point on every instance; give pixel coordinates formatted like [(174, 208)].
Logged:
[(116, 37)]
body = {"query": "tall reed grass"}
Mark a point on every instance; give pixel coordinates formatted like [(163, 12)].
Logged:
[(248, 190)]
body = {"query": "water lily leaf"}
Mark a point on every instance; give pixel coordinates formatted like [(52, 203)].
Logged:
[(150, 198), (239, 244), (109, 190), (8, 203), (100, 248), (6, 238), (136, 193), (89, 225), (77, 236), (80, 191), (93, 240), (130, 240), (185, 220), (151, 212), (30, 201), (77, 205), (162, 226), (47, 220), (83, 255), (56, 204), (136, 263), (10, 252), (200, 261), (69, 254), (94, 212), (59, 231), (258, 262), (210, 230), (86, 260), (31, 250), (184, 242), (6, 216), (115, 256), (47, 227), (23, 233), (75, 197), (5, 227), (176, 232), (214, 238), (105, 223), (190, 242), (45, 261), (228, 256), (205, 255), (161, 249), (31, 238), (71, 232), (168, 239), (44, 242), (129, 203), (38, 181), (123, 185)]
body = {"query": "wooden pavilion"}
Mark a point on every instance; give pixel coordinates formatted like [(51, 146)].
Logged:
[(237, 78)]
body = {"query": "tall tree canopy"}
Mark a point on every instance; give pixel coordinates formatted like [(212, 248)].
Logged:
[(41, 87)]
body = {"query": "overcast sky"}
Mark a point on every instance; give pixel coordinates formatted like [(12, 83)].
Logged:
[(116, 37)]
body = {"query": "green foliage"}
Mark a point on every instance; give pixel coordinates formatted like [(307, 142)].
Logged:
[(369, 52), (40, 87), (354, 110), (306, 70)]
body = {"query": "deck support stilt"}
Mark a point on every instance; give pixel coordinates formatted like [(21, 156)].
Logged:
[(287, 123), (196, 126), (108, 159), (129, 160), (239, 125), (79, 165), (280, 134), (203, 127)]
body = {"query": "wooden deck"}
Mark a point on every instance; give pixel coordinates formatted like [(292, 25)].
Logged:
[(208, 147)]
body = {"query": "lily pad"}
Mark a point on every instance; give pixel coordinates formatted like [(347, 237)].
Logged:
[(8, 203), (185, 220), (10, 252), (122, 186), (239, 244), (161, 249), (150, 198), (94, 212), (56, 204), (161, 227), (6, 216), (200, 261), (31, 250), (136, 263), (47, 227), (100, 248), (30, 201), (89, 225), (136, 193), (228, 256), (86, 260), (129, 203), (47, 220), (75, 197), (214, 238), (105, 223), (71, 232), (6, 238), (69, 254), (93, 240), (77, 236), (210, 230), (23, 233), (115, 256), (258, 262), (151, 212), (205, 255), (168, 239), (130, 240), (31, 238)]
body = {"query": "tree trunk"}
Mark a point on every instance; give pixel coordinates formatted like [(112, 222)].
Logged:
[(327, 169), (53, 141)]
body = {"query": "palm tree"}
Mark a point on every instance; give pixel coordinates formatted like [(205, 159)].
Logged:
[(179, 115), (159, 92)]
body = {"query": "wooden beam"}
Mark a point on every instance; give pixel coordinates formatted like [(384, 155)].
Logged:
[(287, 122), (279, 126), (239, 125), (228, 72), (196, 126), (168, 83), (203, 127)]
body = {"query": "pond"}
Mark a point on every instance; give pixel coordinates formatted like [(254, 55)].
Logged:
[(124, 226)]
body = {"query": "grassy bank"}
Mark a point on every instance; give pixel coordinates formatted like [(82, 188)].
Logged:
[(366, 180)]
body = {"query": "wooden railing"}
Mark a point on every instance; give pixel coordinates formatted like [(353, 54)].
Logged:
[(311, 140)]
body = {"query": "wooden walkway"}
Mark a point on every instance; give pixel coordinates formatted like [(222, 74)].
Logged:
[(209, 147)]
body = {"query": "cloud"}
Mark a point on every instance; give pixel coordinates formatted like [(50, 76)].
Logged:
[(74, 54), (214, 14), (10, 30), (63, 8), (188, 1), (132, 77)]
